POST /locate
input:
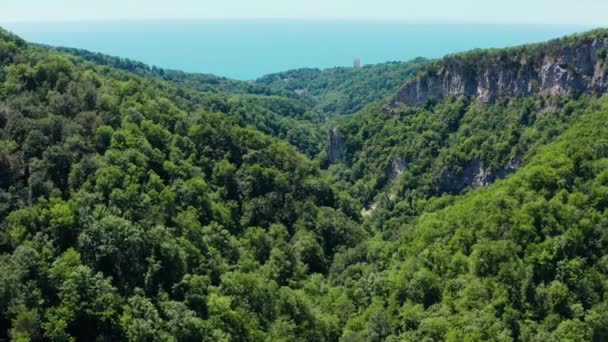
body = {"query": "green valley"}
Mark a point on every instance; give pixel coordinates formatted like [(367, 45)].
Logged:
[(460, 199)]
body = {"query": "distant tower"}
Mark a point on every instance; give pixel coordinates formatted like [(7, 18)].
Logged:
[(357, 63)]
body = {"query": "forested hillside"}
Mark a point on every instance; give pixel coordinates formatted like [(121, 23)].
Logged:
[(259, 106), (141, 204), (343, 90), (522, 259), (135, 209), (203, 82)]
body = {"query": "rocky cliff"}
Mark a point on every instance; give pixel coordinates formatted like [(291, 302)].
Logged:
[(572, 64), (335, 148)]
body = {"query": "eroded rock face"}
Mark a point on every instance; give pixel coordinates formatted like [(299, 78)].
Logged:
[(514, 73), (397, 168), (475, 175), (335, 149)]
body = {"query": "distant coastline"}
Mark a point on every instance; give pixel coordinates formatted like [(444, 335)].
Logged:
[(248, 49)]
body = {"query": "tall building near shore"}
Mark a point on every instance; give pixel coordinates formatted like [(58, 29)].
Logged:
[(357, 63)]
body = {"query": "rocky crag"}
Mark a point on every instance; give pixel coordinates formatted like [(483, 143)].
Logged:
[(335, 148), (562, 66)]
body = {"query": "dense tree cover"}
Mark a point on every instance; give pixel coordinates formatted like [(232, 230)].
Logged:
[(444, 146), (138, 208), (134, 209), (277, 116), (256, 105), (202, 82), (343, 90), (522, 259)]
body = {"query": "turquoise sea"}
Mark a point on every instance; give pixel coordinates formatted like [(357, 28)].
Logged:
[(247, 49)]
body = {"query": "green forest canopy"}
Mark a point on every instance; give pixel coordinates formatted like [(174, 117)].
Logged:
[(135, 207)]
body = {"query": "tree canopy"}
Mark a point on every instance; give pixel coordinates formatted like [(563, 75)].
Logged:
[(143, 204)]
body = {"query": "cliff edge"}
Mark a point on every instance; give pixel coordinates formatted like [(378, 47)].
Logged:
[(575, 63)]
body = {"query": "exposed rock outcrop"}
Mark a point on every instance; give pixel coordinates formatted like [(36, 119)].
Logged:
[(335, 148), (475, 175), (559, 67), (397, 168)]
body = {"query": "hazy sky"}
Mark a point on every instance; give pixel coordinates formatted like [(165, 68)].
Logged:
[(594, 12)]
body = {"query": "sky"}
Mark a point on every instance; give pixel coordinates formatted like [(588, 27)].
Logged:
[(585, 12)]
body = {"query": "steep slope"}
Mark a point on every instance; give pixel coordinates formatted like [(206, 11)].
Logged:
[(572, 64), (460, 254), (460, 142), (135, 209), (523, 259)]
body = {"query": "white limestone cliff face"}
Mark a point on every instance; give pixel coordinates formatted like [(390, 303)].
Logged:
[(565, 68), (335, 149)]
